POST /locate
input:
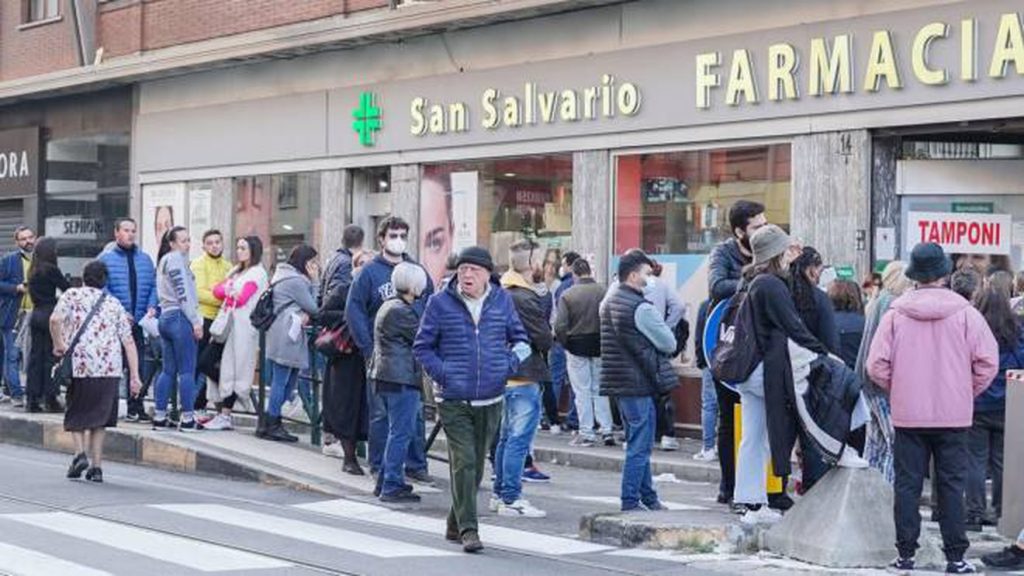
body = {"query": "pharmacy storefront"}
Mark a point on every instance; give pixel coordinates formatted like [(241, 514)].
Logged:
[(644, 135)]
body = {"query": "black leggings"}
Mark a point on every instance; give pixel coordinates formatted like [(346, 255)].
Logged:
[(40, 384), (727, 401)]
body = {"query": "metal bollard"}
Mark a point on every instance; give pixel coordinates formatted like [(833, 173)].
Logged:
[(1012, 521), (261, 401)]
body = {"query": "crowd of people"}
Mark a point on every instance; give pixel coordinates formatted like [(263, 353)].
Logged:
[(921, 350)]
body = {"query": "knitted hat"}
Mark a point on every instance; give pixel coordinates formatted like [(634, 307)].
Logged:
[(928, 263), (768, 242), (477, 256)]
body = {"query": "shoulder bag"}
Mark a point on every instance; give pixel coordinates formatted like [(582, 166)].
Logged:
[(64, 370)]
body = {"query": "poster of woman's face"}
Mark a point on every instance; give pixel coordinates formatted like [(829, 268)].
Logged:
[(163, 220), (435, 226)]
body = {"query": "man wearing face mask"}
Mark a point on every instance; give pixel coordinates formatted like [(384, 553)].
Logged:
[(14, 305), (725, 267), (368, 293), (636, 345)]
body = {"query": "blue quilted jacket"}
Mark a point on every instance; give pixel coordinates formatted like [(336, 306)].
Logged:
[(116, 259), (467, 361)]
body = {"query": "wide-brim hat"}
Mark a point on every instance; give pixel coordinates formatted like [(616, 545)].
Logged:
[(928, 263)]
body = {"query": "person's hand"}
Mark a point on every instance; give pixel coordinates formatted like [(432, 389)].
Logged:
[(21, 289), (151, 312), (197, 331), (305, 319), (135, 385), (60, 349)]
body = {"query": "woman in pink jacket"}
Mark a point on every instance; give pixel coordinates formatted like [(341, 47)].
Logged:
[(933, 352)]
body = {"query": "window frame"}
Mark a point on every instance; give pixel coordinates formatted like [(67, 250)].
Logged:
[(29, 18)]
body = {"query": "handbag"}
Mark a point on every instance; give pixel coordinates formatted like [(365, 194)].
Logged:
[(209, 360), (64, 369), (220, 329), (334, 342)]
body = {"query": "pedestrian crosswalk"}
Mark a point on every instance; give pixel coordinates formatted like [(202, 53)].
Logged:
[(164, 533)]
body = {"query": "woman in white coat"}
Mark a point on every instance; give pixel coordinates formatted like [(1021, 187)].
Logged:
[(240, 292)]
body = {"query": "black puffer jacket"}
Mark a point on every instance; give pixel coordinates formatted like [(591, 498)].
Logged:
[(630, 364), (394, 332), (535, 316), (725, 268)]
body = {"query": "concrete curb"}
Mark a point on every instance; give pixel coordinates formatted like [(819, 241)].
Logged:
[(157, 451), (600, 460)]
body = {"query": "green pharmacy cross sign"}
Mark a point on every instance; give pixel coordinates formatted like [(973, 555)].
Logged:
[(367, 119)]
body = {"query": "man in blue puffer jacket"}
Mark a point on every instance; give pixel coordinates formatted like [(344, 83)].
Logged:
[(132, 280), (470, 343)]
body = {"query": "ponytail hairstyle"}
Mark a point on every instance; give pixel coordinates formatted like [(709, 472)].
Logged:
[(165, 242)]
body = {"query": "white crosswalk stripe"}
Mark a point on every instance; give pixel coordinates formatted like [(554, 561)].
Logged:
[(200, 556), (304, 531), (497, 535), (25, 562)]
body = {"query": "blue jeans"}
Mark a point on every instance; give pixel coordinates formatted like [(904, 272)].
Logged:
[(179, 357), (518, 427), (708, 409), (283, 380), (402, 409), (416, 459), (639, 417), (12, 364), (559, 378)]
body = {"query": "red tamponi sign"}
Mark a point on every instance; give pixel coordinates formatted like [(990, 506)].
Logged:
[(961, 233)]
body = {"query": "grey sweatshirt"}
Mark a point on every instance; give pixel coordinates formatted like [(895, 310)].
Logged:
[(176, 287)]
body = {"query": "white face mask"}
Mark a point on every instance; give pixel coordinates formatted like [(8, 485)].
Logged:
[(650, 281), (395, 246)]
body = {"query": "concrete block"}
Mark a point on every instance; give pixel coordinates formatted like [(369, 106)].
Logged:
[(699, 532), (218, 466), (845, 521), (56, 439), (21, 430), (122, 446)]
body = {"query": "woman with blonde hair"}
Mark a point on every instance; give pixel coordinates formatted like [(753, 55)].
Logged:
[(880, 433)]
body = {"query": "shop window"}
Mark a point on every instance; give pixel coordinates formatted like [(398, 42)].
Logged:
[(678, 202), (87, 181), (494, 203), (39, 10), (282, 209)]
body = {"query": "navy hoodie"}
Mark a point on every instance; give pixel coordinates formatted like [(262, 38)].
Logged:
[(371, 288)]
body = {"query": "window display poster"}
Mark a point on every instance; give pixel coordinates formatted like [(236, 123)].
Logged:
[(163, 207), (464, 207), (200, 216)]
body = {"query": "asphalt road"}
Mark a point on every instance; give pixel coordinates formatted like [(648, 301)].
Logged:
[(145, 521)]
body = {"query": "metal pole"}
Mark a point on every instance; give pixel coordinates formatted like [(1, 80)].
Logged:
[(314, 390), (262, 394)]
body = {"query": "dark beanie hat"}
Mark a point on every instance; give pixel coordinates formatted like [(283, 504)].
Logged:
[(478, 256)]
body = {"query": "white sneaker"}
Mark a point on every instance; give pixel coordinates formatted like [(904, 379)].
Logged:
[(669, 444), (219, 422), (555, 430), (494, 504), (294, 410), (850, 459), (4, 399), (333, 450), (706, 455), (761, 516), (520, 509), (581, 441)]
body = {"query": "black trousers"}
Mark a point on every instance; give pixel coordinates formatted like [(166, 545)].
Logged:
[(912, 450), (39, 384), (550, 403), (135, 403), (985, 444), (665, 406), (201, 400), (727, 401)]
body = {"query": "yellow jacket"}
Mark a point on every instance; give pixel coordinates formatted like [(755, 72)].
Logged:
[(209, 272)]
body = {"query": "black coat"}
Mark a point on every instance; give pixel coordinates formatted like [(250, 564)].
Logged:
[(775, 323), (725, 269), (394, 331), (535, 316)]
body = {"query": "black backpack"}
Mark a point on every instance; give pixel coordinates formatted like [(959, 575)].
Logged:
[(263, 314), (737, 354)]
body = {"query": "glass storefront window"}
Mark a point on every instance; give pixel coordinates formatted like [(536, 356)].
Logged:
[(87, 181), (282, 209), (494, 203)]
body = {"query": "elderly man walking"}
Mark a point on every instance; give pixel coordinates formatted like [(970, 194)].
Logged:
[(470, 342)]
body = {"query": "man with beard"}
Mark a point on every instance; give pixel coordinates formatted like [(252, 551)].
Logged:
[(725, 269), (14, 304), (210, 269), (369, 291)]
